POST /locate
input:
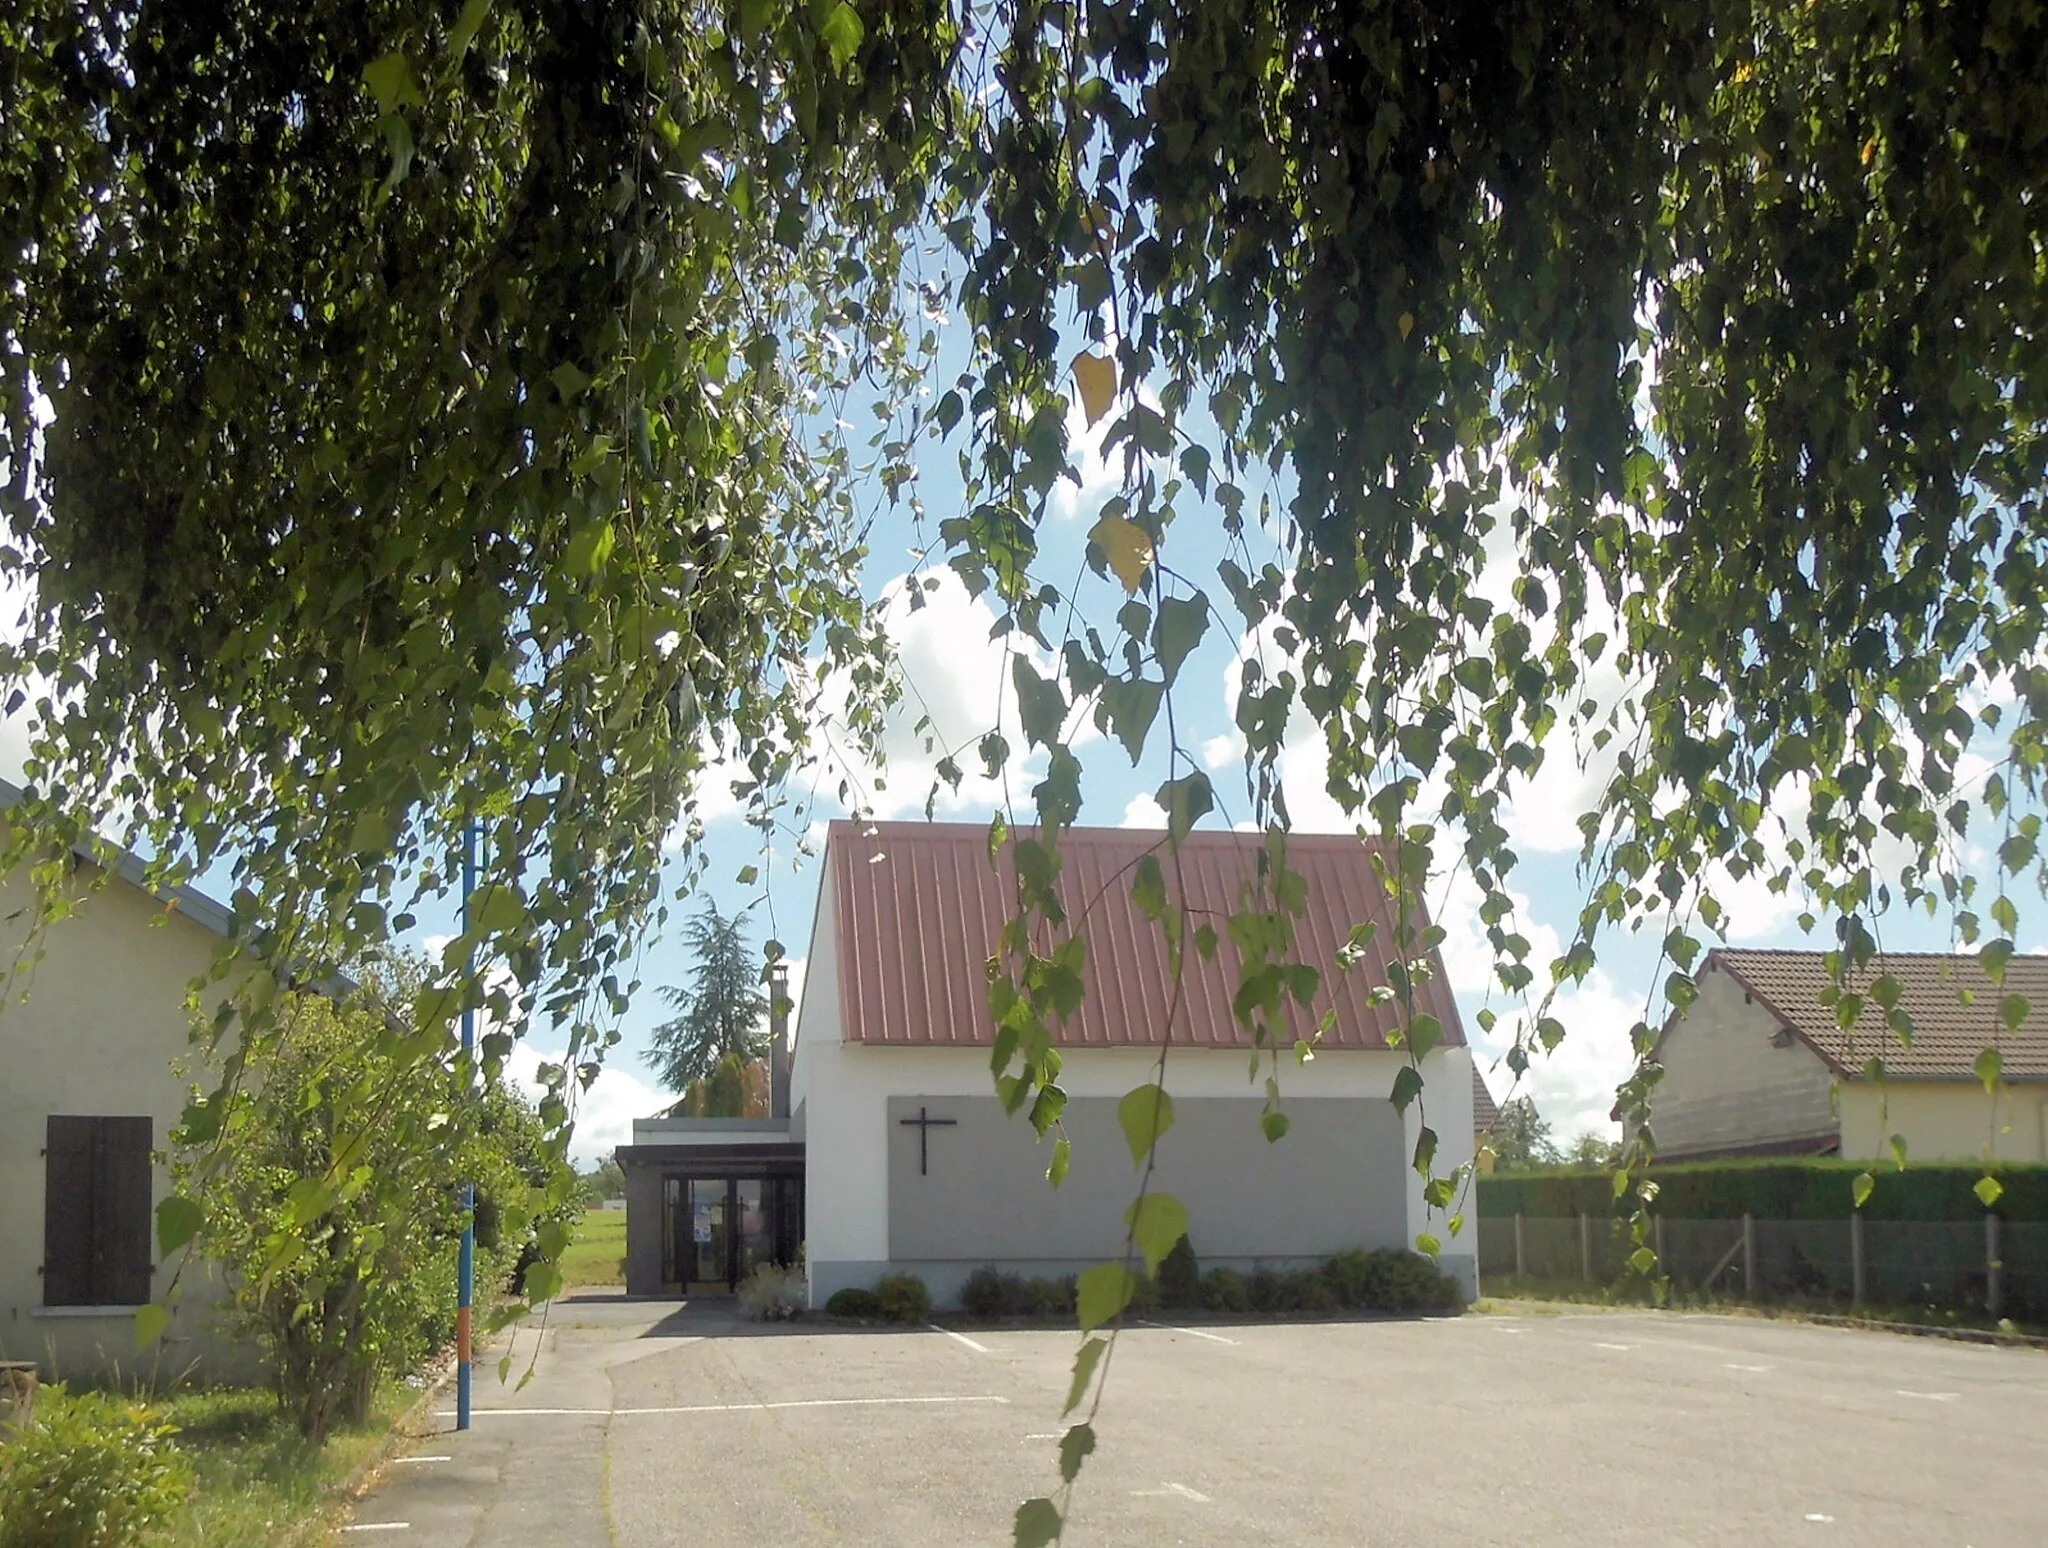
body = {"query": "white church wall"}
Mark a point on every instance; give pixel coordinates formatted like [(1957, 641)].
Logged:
[(848, 1127)]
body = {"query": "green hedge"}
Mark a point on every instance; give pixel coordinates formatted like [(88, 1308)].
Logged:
[(1809, 1189)]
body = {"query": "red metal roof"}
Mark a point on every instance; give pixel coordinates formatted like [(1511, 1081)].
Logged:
[(919, 908)]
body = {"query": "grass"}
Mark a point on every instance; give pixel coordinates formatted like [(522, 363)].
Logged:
[(596, 1255), (260, 1484)]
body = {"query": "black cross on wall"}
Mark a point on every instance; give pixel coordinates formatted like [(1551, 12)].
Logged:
[(924, 1123)]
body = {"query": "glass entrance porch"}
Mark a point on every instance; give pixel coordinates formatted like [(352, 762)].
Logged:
[(718, 1230)]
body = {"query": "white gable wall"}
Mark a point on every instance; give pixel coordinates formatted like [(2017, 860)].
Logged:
[(91, 1031), (848, 1125), (1726, 1085)]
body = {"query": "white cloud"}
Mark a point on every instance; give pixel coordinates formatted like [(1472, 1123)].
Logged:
[(1304, 768), (1100, 474), (1467, 954), (1574, 1085), (604, 1113), (1303, 761), (17, 600), (1097, 479), (711, 797), (1142, 811), (956, 681), (956, 686)]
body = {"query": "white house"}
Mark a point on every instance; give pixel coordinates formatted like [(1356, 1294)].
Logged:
[(896, 1154), (1762, 1065), (88, 1035)]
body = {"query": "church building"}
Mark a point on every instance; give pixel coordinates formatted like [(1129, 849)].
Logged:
[(887, 1148)]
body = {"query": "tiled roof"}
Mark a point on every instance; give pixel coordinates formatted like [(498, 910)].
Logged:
[(1485, 1111), (919, 907), (1954, 1006)]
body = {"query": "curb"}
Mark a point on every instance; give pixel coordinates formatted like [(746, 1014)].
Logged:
[(401, 1427), (1960, 1335)]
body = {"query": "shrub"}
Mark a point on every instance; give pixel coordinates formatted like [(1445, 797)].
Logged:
[(991, 1293), (1049, 1297), (1348, 1274), (1144, 1294), (91, 1472), (852, 1302), (375, 1295), (1180, 1277), (904, 1298), (1389, 1279), (1307, 1290), (1268, 1290), (1225, 1290), (773, 1294)]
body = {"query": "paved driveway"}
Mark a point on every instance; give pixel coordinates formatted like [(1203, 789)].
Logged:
[(649, 1427)]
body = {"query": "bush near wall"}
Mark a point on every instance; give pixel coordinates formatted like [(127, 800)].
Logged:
[(1812, 1188), (904, 1298), (93, 1470)]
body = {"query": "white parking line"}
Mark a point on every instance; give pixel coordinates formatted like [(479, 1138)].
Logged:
[(1047, 1435), (962, 1338), (1932, 1397), (1734, 1367), (1814, 1515), (379, 1526), (1167, 1327), (714, 1408), (1614, 1346), (422, 1459), (1179, 1490)]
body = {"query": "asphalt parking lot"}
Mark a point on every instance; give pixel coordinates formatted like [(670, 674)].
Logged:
[(647, 1427)]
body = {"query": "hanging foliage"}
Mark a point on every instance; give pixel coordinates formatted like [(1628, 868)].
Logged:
[(417, 413), (416, 416)]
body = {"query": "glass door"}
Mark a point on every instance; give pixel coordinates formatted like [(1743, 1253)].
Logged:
[(708, 1253), (786, 1217), (757, 1224), (675, 1231)]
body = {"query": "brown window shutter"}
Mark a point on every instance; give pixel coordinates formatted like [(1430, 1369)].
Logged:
[(67, 1211), (121, 1210)]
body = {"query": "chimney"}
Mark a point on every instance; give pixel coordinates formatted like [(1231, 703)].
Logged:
[(778, 1039)]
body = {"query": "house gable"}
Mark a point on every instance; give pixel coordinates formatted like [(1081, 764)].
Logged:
[(88, 1036), (1952, 1008), (1737, 1080)]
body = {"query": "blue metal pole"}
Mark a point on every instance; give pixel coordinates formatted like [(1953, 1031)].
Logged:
[(466, 1265)]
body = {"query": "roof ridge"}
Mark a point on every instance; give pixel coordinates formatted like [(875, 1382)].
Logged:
[(201, 908), (1801, 951), (977, 831), (914, 938), (1956, 1011)]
